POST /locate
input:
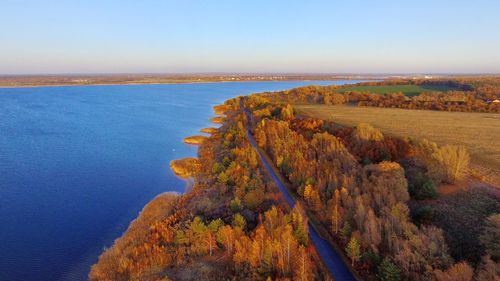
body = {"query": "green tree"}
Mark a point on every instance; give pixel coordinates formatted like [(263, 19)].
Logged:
[(388, 271), (346, 230), (239, 221)]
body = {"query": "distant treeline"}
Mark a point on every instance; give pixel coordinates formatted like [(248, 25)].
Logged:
[(463, 95)]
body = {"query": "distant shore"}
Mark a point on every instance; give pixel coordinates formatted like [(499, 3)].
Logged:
[(30, 81)]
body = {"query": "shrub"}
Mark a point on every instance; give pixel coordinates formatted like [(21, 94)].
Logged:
[(491, 236), (444, 164), (253, 199), (424, 213), (365, 132), (235, 205), (388, 271), (426, 191)]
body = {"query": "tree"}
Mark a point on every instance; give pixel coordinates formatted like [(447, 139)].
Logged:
[(455, 161), (302, 266), (353, 250), (239, 221), (372, 235), (253, 199), (336, 214), (444, 164), (427, 191), (488, 270), (346, 230), (287, 112), (365, 132), (491, 236), (300, 225), (225, 236), (458, 272), (388, 271)]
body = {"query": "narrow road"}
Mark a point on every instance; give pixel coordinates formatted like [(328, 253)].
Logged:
[(332, 260)]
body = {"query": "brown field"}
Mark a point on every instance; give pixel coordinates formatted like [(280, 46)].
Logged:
[(479, 132)]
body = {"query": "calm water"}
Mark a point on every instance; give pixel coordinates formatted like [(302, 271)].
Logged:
[(77, 164)]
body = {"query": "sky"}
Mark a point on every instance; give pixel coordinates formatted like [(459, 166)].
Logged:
[(258, 36)]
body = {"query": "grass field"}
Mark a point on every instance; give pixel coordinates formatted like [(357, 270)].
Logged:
[(479, 132), (409, 90)]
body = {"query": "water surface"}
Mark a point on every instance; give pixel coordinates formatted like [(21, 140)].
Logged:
[(78, 163)]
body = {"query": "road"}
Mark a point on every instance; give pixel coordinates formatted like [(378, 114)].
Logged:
[(332, 260)]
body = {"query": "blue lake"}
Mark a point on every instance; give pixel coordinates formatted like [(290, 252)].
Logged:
[(77, 164)]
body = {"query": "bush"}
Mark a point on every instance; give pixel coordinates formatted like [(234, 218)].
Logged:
[(491, 236), (235, 205), (253, 199), (426, 191), (388, 271), (425, 213), (444, 164), (421, 187)]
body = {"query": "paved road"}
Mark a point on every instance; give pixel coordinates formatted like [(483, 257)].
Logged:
[(330, 257)]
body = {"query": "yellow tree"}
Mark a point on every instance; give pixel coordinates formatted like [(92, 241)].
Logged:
[(353, 250)]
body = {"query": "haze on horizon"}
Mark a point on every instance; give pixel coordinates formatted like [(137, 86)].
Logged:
[(249, 36)]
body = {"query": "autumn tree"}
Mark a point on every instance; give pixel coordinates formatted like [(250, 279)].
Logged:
[(287, 112), (458, 272), (488, 270), (302, 267), (336, 216), (353, 250), (239, 221), (444, 164)]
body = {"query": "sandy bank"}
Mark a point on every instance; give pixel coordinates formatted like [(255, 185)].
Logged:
[(196, 140), (186, 167), (209, 130)]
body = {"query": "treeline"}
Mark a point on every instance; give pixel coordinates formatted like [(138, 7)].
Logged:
[(233, 225), (356, 182), (463, 96)]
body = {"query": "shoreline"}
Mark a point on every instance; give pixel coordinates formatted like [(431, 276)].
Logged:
[(173, 83)]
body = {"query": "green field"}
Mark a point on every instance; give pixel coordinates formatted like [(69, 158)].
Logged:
[(409, 90)]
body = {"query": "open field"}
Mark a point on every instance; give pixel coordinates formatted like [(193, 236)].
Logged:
[(409, 90), (479, 132)]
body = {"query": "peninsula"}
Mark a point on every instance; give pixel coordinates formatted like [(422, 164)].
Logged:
[(283, 191)]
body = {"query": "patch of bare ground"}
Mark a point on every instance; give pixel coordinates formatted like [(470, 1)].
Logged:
[(208, 268), (479, 132)]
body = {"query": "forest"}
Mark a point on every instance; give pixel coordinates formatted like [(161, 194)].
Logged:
[(358, 183), (232, 225), (368, 191)]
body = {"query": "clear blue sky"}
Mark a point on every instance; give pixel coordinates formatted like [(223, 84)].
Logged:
[(103, 36)]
